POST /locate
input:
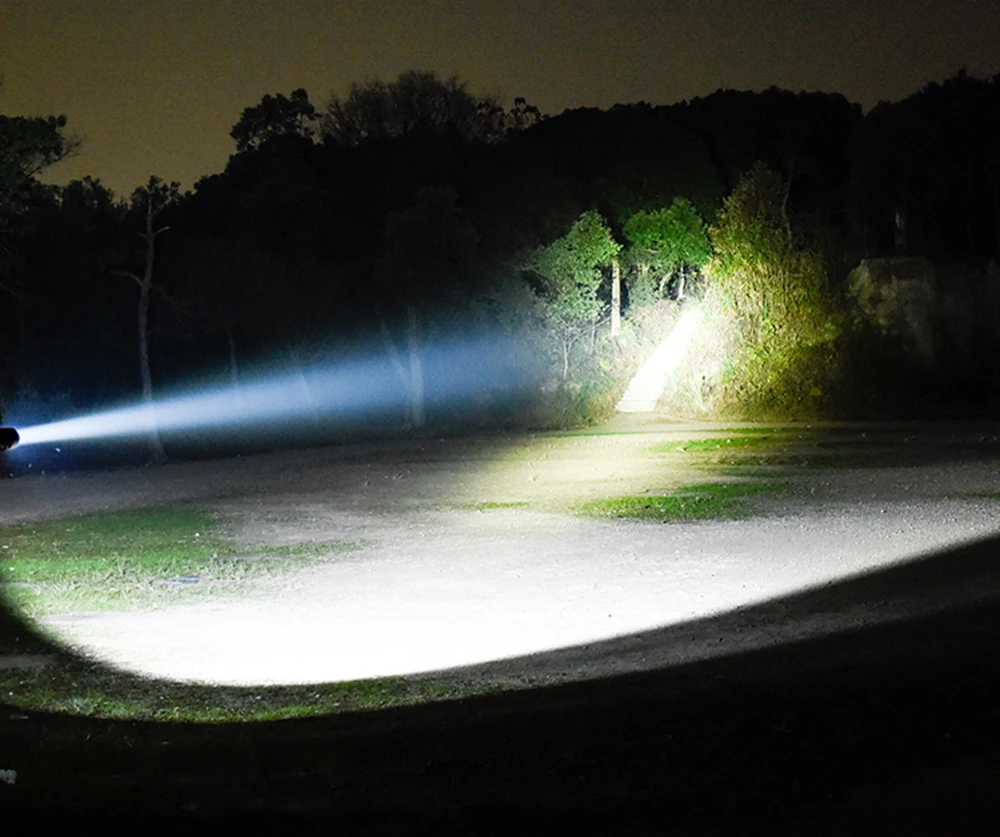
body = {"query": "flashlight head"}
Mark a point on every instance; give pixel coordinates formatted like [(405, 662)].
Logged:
[(8, 438)]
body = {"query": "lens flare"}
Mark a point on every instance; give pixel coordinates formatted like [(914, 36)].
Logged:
[(649, 383)]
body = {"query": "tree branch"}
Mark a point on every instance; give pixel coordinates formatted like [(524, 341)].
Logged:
[(128, 274)]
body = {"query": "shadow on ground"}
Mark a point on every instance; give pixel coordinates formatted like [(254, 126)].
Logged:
[(889, 727)]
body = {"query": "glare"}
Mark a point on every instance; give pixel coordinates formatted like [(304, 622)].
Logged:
[(406, 609), (647, 386), (455, 373)]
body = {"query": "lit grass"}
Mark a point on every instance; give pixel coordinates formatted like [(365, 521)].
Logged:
[(713, 445), (79, 687), (708, 501), (133, 559)]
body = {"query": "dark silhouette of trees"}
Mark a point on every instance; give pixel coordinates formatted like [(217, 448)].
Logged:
[(929, 171), (424, 268), (28, 146), (275, 116), (407, 210), (418, 101)]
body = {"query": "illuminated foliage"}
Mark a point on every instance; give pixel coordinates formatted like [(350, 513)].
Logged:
[(771, 296), (570, 267), (665, 243)]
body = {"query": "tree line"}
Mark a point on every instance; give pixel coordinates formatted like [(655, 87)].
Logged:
[(405, 211)]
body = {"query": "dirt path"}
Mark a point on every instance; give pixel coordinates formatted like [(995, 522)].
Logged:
[(469, 558)]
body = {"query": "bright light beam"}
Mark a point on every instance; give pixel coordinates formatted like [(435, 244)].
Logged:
[(454, 373), (646, 387)]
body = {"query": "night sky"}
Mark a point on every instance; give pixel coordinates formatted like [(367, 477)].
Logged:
[(154, 86)]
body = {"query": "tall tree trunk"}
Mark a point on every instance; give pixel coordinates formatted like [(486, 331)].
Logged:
[(145, 283), (411, 374), (155, 442), (616, 297), (234, 368), (417, 410)]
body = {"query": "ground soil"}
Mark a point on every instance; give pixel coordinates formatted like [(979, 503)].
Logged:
[(848, 684)]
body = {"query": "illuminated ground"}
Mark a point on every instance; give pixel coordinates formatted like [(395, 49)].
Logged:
[(471, 555)]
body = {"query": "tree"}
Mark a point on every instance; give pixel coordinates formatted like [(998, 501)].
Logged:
[(773, 298), (428, 250), (28, 145), (418, 101), (221, 282), (570, 270), (670, 243), (148, 202), (275, 116)]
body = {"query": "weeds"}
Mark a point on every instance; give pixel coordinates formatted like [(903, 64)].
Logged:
[(78, 687), (712, 445), (709, 501)]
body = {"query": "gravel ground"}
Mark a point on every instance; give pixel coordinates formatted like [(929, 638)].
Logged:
[(455, 576), (882, 719)]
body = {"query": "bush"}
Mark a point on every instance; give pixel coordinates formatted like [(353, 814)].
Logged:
[(772, 302)]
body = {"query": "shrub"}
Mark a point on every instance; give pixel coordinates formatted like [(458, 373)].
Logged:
[(771, 300)]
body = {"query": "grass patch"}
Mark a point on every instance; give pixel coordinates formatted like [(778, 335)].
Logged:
[(133, 559), (713, 445), (707, 501), (79, 687)]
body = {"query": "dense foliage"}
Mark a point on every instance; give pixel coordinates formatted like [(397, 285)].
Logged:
[(771, 297)]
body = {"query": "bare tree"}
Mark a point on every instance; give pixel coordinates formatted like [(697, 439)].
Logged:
[(150, 200)]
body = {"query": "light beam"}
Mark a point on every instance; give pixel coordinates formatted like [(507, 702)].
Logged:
[(646, 387), (456, 373)]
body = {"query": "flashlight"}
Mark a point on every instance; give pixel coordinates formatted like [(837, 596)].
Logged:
[(8, 438)]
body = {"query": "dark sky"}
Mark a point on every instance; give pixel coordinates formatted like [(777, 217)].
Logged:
[(154, 86)]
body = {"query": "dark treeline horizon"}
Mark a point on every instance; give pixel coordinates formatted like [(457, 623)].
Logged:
[(315, 242)]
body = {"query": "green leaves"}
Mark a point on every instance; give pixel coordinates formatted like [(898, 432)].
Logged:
[(570, 267), (774, 297), (668, 238)]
